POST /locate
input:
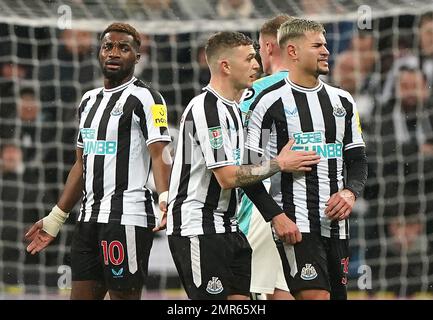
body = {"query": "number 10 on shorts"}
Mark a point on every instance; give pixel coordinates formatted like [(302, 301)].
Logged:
[(113, 252)]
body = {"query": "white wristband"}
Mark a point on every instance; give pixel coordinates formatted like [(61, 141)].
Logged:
[(52, 223), (163, 197)]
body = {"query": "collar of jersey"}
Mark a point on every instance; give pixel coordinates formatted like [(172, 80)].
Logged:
[(121, 87), (210, 89), (299, 88)]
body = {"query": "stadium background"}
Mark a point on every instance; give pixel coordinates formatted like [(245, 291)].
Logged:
[(48, 60)]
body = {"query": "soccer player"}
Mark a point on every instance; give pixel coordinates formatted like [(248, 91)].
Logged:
[(212, 256), (267, 275), (324, 119), (122, 136)]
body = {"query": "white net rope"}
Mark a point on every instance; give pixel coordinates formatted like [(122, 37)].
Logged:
[(48, 59)]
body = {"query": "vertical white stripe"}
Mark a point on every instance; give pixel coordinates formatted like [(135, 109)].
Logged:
[(291, 258), (131, 248), (195, 261)]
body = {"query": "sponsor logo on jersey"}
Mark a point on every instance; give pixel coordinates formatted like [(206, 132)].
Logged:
[(291, 112), (118, 273), (339, 110), (159, 115), (308, 272), (100, 147), (118, 109), (216, 137), (214, 286), (314, 141)]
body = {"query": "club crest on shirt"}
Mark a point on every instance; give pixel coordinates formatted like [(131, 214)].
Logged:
[(216, 137), (339, 111), (214, 286), (308, 272), (118, 109)]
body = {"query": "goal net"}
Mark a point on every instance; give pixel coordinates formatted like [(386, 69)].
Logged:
[(48, 59)]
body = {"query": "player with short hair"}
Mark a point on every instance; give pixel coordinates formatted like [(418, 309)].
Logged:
[(212, 256), (267, 275), (324, 119), (122, 136)]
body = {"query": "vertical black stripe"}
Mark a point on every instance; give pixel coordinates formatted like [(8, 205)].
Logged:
[(231, 211), (277, 111), (157, 98), (348, 137), (81, 107), (271, 88), (143, 123), (235, 121), (182, 192), (331, 137), (98, 168), (87, 124), (214, 189), (122, 157), (211, 203), (150, 215), (311, 178), (212, 121)]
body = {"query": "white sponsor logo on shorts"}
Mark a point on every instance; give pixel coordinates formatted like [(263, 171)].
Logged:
[(214, 286), (308, 272)]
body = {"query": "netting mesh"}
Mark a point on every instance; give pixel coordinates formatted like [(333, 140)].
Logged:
[(379, 52)]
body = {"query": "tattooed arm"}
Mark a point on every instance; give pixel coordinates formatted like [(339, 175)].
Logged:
[(288, 161)]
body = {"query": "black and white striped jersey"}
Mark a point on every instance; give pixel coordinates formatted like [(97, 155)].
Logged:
[(323, 119), (116, 126), (210, 137)]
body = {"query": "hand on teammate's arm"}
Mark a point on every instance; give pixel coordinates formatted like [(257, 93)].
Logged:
[(340, 205), (288, 160), (161, 166), (296, 161)]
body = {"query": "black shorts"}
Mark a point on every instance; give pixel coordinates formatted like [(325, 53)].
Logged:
[(213, 266), (115, 254), (316, 263)]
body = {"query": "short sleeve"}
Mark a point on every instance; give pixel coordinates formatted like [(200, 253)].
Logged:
[(213, 135), (152, 115), (353, 132)]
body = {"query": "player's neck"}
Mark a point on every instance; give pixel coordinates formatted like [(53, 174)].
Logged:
[(303, 80), (278, 66), (113, 83), (225, 89)]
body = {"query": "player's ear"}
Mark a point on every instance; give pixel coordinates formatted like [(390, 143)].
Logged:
[(292, 51), (269, 47), (137, 57), (225, 65)]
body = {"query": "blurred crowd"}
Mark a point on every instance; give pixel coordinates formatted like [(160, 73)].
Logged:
[(388, 69)]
